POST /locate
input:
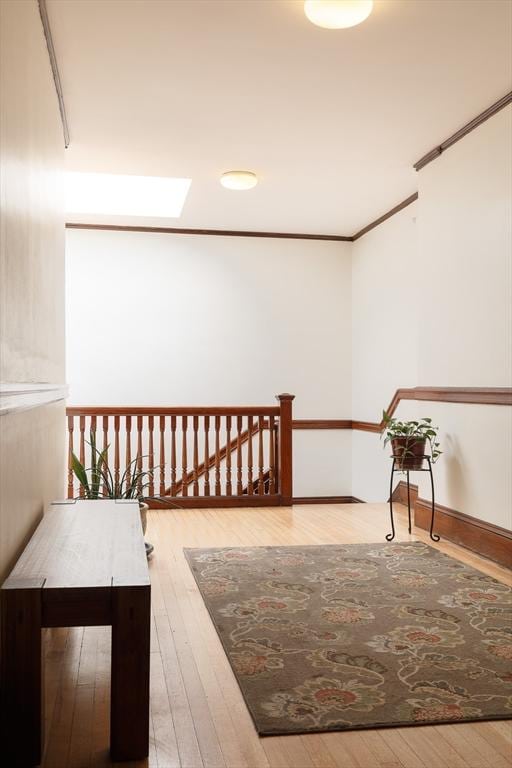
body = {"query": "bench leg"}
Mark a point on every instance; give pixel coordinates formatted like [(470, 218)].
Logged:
[(129, 706), (21, 671)]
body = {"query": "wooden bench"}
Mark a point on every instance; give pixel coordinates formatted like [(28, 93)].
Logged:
[(85, 565)]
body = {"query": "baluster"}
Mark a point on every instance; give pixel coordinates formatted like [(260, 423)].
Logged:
[(162, 456), (92, 434), (151, 457), (184, 484), (173, 455), (285, 449), (71, 424), (128, 468), (82, 451), (217, 456), (250, 481), (206, 456), (271, 454), (195, 487), (228, 456), (92, 442), (276, 458), (239, 487), (116, 455), (261, 489), (138, 465), (105, 453)]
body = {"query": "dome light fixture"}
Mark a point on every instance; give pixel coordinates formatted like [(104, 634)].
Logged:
[(239, 180), (337, 14)]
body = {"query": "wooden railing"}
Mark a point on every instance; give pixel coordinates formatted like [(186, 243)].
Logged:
[(194, 456)]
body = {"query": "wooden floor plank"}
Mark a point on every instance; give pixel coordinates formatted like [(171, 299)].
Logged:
[(198, 715)]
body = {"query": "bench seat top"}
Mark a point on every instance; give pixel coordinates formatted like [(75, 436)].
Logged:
[(84, 544)]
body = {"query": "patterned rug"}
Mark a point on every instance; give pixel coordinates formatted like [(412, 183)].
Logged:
[(325, 638)]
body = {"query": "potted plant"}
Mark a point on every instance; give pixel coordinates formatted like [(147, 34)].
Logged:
[(97, 481), (409, 441)]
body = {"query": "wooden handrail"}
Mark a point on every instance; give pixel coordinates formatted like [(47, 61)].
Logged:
[(467, 395), (275, 479), (185, 410), (183, 441)]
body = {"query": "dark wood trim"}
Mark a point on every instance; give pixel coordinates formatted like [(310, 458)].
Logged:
[(322, 424), (285, 447), (216, 232), (400, 493), (458, 135), (43, 12), (267, 500), (206, 502), (366, 426), (469, 395), (245, 233), (484, 538), (431, 155), (180, 410), (411, 199), (466, 395), (326, 500)]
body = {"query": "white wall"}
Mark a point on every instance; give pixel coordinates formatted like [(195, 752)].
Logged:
[(159, 319), (384, 339), (194, 320), (31, 274), (465, 262), (457, 275)]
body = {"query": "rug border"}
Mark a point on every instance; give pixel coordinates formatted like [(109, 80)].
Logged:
[(364, 727)]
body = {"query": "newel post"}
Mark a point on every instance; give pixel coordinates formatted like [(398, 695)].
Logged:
[(285, 448)]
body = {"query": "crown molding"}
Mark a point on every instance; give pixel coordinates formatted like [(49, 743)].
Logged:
[(408, 200), (214, 232), (458, 135)]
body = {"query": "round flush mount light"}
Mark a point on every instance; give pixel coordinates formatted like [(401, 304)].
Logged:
[(239, 179), (337, 14)]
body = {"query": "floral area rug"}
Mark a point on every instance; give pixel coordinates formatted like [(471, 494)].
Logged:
[(325, 638)]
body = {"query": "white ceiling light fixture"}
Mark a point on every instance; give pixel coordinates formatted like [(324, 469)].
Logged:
[(239, 180), (337, 14), (119, 195)]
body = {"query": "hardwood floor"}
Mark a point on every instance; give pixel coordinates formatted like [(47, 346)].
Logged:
[(198, 717)]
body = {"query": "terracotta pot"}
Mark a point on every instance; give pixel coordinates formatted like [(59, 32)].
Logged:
[(409, 451)]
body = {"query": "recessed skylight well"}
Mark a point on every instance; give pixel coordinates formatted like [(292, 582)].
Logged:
[(119, 195)]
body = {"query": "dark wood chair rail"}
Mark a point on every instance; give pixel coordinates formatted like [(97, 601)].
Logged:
[(468, 395), (253, 477)]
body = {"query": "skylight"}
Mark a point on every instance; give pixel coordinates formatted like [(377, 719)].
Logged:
[(105, 193)]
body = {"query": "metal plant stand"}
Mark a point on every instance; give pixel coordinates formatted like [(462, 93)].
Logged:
[(428, 468)]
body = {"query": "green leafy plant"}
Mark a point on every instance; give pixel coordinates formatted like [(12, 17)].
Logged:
[(410, 433), (97, 480)]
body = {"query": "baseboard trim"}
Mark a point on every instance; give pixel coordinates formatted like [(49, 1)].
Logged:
[(486, 539), (481, 537), (214, 502), (400, 493), (326, 500)]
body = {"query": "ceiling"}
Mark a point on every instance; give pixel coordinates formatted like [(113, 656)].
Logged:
[(330, 120)]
